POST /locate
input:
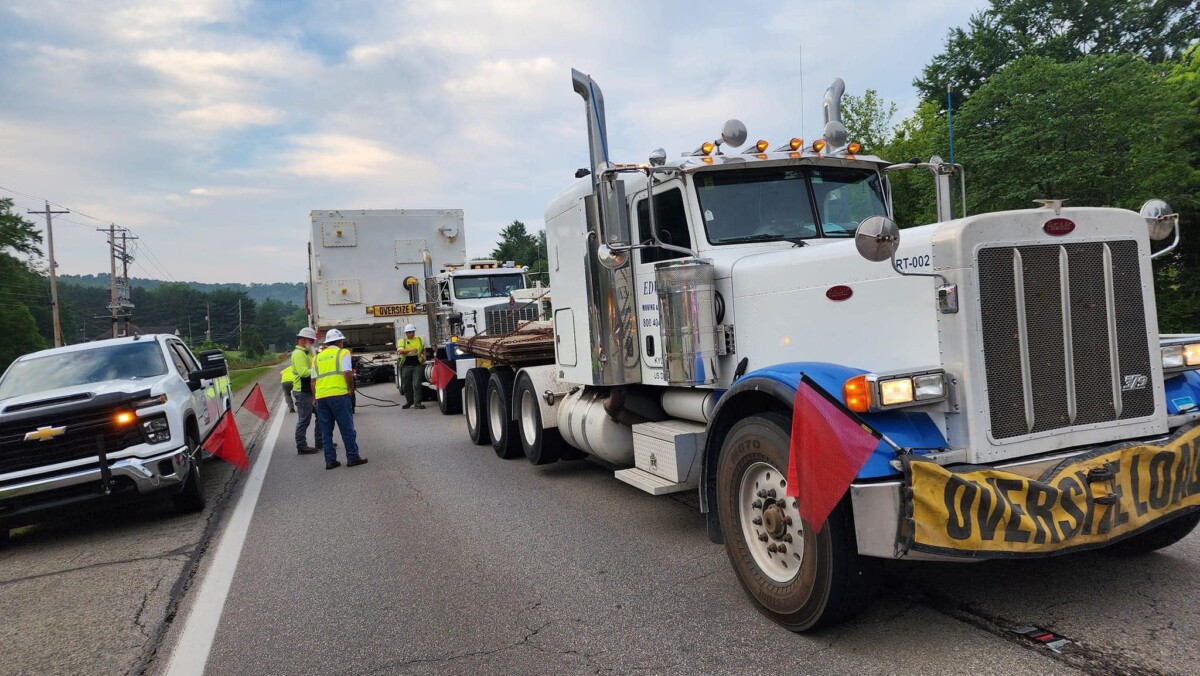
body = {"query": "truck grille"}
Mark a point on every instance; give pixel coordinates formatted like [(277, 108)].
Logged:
[(78, 441), (1064, 336), (502, 318)]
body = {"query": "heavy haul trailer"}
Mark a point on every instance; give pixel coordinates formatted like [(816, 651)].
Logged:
[(1007, 365), (368, 272)]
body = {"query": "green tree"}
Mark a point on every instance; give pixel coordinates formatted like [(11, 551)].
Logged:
[(20, 334), (22, 288), (919, 138), (1062, 30), (252, 342), (516, 244), (868, 118)]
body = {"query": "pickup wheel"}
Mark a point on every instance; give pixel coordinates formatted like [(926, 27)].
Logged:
[(542, 446), (450, 397), (475, 405), (1156, 538), (800, 579), (190, 498), (500, 422)]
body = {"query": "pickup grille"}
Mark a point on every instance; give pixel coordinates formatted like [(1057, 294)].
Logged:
[(1064, 336), (503, 319), (78, 441)]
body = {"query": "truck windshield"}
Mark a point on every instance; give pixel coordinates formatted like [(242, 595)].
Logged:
[(127, 361), (786, 203), (487, 286)]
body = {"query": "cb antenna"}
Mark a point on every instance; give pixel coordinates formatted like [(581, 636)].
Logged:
[(803, 129)]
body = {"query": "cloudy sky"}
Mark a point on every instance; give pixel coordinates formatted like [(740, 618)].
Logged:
[(212, 127)]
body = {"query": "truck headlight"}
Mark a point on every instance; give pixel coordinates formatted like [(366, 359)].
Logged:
[(880, 392), (156, 429), (1180, 356)]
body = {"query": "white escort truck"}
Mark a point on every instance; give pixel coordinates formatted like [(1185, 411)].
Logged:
[(372, 271), (1009, 362), (106, 420)]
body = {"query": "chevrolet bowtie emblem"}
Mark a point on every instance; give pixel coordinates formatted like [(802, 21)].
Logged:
[(44, 433)]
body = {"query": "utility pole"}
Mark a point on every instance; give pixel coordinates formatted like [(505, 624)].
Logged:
[(208, 322), (58, 339), (120, 306)]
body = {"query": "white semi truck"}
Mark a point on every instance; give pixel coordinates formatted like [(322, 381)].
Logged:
[(1009, 363), (373, 271)]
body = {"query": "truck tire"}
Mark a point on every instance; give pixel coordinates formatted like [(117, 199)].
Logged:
[(818, 579), (541, 446), (500, 422), (450, 397), (475, 404), (1156, 538), (190, 498)]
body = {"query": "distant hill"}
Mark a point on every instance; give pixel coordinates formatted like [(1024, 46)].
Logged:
[(280, 291)]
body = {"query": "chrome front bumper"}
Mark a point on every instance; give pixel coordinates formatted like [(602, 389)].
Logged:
[(147, 474), (877, 508)]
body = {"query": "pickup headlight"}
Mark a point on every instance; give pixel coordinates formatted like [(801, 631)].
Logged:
[(156, 429), (1180, 356), (882, 392)]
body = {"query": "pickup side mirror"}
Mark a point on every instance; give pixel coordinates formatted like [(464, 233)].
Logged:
[(212, 365)]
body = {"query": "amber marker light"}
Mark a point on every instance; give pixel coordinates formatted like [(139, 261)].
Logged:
[(761, 146), (796, 143), (856, 392), (853, 148), (124, 418), (707, 147), (818, 145)]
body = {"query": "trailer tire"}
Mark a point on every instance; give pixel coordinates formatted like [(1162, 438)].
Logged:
[(1156, 538), (542, 446), (450, 397), (500, 423), (190, 498), (819, 579), (475, 404)]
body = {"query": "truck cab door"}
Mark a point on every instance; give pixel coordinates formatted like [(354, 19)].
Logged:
[(671, 221)]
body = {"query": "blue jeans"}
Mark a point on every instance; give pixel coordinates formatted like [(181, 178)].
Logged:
[(331, 411)]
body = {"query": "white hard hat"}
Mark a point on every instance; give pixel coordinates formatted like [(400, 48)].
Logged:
[(409, 328), (308, 333), (333, 336)]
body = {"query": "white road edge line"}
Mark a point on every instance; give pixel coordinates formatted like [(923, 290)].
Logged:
[(191, 653)]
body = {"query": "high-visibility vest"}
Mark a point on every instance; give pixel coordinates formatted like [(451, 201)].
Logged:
[(302, 368), (327, 373), (287, 375), (414, 343)]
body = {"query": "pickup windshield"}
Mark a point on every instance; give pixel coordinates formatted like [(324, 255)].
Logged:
[(786, 203), (487, 286), (127, 361)]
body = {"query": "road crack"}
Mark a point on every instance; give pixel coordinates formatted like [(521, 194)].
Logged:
[(178, 551)]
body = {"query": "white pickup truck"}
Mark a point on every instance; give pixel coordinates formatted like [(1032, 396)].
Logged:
[(106, 420)]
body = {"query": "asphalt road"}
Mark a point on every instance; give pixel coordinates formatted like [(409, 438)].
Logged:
[(438, 557)]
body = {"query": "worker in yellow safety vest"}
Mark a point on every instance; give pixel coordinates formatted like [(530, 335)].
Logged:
[(302, 391), (412, 366), (333, 381), (287, 377)]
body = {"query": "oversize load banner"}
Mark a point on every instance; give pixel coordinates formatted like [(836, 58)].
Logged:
[(402, 310), (1084, 502)]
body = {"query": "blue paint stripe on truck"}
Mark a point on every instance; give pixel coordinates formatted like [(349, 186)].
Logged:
[(907, 428)]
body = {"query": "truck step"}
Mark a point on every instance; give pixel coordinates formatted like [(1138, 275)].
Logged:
[(652, 484)]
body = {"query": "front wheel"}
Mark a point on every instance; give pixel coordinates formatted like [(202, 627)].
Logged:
[(1156, 538), (800, 579), (190, 498), (450, 398)]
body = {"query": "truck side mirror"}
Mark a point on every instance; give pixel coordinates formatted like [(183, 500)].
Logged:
[(877, 238), (212, 365)]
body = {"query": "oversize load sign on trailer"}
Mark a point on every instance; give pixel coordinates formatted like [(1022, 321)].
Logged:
[(1082, 503), (401, 310)]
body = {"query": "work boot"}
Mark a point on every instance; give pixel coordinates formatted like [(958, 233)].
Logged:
[(406, 406), (356, 462), (307, 450), (331, 465), (420, 406)]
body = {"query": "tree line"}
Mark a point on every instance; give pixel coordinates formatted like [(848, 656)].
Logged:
[(1096, 103)]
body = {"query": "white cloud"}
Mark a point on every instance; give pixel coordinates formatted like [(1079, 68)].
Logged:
[(342, 157), (231, 116)]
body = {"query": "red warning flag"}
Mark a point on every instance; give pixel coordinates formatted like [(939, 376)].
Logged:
[(829, 446), (256, 404), (225, 442), (442, 375)]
